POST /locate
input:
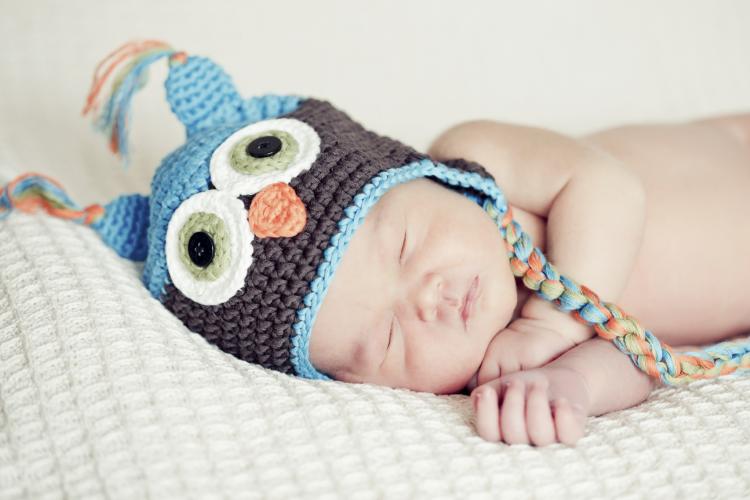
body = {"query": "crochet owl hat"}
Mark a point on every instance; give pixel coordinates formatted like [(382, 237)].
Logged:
[(248, 219)]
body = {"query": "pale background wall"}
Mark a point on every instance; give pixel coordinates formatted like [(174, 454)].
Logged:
[(403, 68)]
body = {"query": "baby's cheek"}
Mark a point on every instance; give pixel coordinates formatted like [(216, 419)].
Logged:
[(447, 372)]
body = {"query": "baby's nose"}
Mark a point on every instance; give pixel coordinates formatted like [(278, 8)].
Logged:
[(433, 300)]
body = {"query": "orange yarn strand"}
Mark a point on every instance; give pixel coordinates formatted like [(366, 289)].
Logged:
[(120, 54)]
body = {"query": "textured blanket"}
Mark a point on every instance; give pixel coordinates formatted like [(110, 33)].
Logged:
[(103, 393)]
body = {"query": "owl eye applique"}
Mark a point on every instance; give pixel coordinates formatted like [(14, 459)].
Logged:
[(263, 153), (209, 247)]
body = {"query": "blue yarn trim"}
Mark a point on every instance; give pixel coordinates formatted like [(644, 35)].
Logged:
[(270, 106), (354, 215)]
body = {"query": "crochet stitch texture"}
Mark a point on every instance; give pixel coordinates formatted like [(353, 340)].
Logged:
[(247, 221)]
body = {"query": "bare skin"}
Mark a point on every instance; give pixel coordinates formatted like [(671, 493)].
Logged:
[(664, 203), (691, 173)]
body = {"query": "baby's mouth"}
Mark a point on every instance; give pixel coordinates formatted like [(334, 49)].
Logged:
[(469, 301)]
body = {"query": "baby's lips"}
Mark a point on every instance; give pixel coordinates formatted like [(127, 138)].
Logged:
[(277, 211)]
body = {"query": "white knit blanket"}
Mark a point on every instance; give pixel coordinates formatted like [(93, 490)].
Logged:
[(104, 394)]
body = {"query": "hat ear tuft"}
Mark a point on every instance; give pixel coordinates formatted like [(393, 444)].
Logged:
[(199, 93), (203, 96)]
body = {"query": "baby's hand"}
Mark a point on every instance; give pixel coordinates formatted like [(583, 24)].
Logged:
[(539, 407), (524, 344)]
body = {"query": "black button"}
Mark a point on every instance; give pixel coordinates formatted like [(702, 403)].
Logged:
[(201, 249), (263, 147)]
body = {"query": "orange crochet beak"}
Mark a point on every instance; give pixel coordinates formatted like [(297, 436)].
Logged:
[(277, 212)]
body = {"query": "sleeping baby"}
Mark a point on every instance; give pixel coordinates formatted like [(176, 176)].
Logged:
[(422, 299), (290, 236)]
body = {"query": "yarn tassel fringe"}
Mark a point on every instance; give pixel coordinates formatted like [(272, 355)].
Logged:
[(29, 192), (133, 60)]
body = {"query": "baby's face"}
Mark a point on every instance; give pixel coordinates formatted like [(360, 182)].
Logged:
[(394, 312)]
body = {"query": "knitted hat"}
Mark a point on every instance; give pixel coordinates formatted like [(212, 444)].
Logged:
[(247, 221), (249, 218)]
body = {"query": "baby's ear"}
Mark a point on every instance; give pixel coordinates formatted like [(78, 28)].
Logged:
[(124, 226)]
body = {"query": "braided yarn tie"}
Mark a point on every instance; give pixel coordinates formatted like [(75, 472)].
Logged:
[(656, 359)]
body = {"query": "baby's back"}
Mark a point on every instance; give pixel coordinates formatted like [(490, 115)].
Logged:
[(689, 280)]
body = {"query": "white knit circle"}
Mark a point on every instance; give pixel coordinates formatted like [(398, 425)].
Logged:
[(227, 179), (232, 212)]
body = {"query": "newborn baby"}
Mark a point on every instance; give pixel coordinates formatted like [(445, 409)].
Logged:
[(290, 236), (652, 218)]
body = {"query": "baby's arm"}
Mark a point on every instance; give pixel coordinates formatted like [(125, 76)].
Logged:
[(594, 206), (538, 406)]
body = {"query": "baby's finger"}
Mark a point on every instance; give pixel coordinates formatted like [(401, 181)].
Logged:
[(541, 428), (485, 407), (512, 417), (569, 422), (488, 370)]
